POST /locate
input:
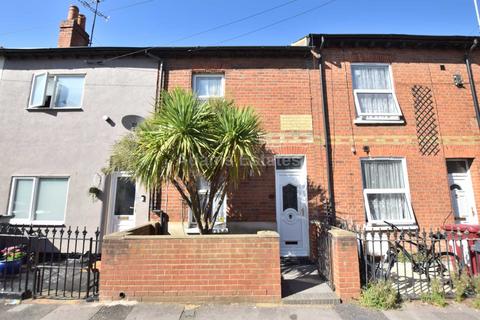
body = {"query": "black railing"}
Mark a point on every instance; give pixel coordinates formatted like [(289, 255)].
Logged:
[(324, 249), (55, 262), (413, 259)]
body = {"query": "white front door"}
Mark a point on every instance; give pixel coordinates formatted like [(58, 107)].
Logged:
[(292, 205), (122, 204), (461, 192)]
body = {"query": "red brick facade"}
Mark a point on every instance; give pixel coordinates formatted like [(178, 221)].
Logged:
[(276, 87), (194, 269)]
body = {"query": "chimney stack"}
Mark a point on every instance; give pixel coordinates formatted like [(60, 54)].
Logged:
[(72, 30)]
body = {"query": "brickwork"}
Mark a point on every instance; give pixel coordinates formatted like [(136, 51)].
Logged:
[(345, 266), (286, 93), (194, 269)]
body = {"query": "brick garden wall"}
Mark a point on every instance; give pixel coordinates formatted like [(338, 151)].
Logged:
[(193, 269)]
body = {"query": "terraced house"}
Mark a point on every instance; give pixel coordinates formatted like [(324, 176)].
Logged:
[(367, 128)]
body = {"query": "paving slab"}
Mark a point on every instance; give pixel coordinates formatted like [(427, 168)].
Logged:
[(110, 312), (28, 311), (155, 311), (354, 312), (73, 311), (252, 312)]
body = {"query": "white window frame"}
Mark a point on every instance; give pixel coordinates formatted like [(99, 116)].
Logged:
[(405, 190), (193, 227), (52, 100), (363, 117), (207, 75), (33, 198)]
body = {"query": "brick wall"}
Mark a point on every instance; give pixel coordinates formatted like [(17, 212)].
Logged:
[(220, 268), (345, 265)]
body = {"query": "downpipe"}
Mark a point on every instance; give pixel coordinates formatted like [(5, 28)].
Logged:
[(472, 81)]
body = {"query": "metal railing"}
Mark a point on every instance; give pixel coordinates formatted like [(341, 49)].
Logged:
[(54, 262), (413, 259)]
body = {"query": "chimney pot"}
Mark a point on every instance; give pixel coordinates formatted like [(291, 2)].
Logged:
[(81, 21), (72, 13)]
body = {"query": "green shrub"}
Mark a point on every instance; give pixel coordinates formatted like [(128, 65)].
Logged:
[(476, 303), (462, 285), (476, 284), (436, 296), (380, 295)]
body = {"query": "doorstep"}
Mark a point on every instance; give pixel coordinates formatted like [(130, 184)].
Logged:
[(301, 284)]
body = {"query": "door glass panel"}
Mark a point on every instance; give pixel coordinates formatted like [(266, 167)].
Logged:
[(22, 198), (125, 197), (457, 166), (289, 163), (289, 195)]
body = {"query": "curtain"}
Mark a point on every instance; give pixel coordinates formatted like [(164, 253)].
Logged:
[(376, 103), (22, 199), (385, 174), (209, 86), (371, 77)]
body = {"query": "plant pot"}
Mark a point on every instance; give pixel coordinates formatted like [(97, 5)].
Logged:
[(10, 267)]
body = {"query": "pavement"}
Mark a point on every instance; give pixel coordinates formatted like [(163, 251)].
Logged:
[(53, 310)]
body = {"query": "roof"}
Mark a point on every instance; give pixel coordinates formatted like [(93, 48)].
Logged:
[(161, 52), (390, 40)]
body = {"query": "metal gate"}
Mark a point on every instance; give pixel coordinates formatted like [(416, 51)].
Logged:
[(50, 262)]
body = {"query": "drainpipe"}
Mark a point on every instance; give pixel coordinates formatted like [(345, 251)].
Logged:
[(326, 128), (471, 81)]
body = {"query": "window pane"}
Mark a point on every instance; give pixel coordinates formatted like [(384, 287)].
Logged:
[(51, 199), (38, 92), (125, 197), (289, 163), (377, 103), (209, 86), (383, 174), (290, 197), (391, 206), (371, 77), (69, 91), (22, 198), (456, 166)]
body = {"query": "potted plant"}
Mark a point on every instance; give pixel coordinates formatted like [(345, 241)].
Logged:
[(11, 260)]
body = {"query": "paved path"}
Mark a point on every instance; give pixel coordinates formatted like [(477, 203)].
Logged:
[(131, 311)]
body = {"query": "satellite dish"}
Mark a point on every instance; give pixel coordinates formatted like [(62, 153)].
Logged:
[(131, 121)]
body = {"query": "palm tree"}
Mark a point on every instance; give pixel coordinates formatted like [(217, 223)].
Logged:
[(188, 143)]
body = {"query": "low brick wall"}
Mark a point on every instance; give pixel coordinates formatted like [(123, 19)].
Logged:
[(191, 269), (345, 265)]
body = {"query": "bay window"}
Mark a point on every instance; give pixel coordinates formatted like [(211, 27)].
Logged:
[(385, 191), (375, 99), (38, 199)]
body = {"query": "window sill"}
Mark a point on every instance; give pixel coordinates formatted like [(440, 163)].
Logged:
[(383, 227), (53, 109), (36, 223), (360, 121)]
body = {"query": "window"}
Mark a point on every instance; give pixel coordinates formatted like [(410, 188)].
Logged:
[(38, 199), (385, 191), (220, 223), (375, 99), (56, 91), (208, 86)]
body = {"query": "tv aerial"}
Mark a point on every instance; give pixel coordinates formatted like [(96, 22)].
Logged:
[(92, 6)]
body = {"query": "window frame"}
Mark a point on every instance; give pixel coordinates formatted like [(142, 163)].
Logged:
[(206, 75), (33, 199), (363, 117), (406, 190), (55, 76)]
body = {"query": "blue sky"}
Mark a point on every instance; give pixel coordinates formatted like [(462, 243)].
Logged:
[(34, 23)]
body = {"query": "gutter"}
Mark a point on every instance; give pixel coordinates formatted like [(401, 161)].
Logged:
[(472, 81), (326, 128)]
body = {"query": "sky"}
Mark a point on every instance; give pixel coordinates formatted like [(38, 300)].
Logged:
[(35, 23)]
